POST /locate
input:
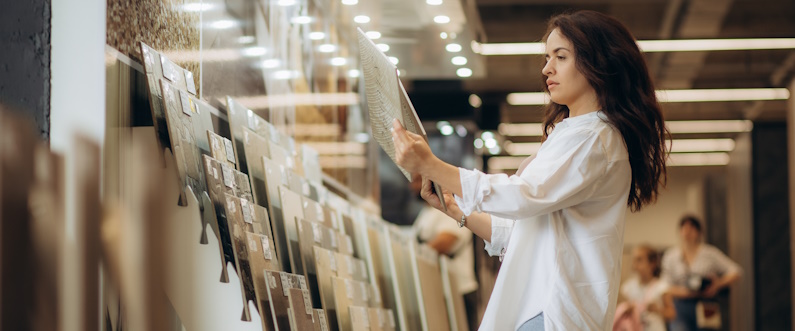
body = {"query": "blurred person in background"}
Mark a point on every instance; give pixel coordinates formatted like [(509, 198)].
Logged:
[(442, 233), (647, 305), (696, 273)]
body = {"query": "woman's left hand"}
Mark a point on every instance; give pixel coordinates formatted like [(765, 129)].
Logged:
[(411, 150)]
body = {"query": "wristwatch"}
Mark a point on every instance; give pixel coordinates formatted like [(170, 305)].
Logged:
[(463, 222)]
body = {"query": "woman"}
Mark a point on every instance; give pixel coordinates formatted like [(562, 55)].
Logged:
[(564, 212), (648, 304), (696, 272)]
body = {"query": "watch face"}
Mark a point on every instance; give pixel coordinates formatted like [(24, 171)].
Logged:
[(694, 282)]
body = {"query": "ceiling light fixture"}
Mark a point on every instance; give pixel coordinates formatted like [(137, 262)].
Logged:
[(301, 20), (459, 60), (382, 47), (675, 127), (464, 72), (441, 19), (692, 95), (453, 48), (362, 19), (317, 35), (373, 34), (350, 2), (326, 48), (434, 2), (339, 61), (681, 45)]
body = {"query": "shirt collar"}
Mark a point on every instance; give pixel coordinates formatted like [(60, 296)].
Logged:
[(585, 118)]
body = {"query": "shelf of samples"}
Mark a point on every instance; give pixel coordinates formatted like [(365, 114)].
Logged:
[(304, 257)]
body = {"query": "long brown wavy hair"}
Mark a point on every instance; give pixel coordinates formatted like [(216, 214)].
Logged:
[(608, 56)]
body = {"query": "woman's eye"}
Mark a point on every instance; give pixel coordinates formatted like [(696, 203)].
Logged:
[(561, 58)]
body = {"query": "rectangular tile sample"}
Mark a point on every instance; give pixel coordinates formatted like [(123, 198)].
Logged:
[(360, 318), (300, 310), (292, 211), (321, 322), (255, 147), (221, 149), (275, 177), (183, 141), (279, 284)]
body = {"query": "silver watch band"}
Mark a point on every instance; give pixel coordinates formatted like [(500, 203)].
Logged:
[(463, 222)]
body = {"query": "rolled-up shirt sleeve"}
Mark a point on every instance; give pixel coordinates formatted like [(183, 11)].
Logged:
[(560, 176), (500, 235)]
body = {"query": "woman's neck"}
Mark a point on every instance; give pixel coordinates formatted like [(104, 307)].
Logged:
[(691, 247), (587, 103), (646, 279)]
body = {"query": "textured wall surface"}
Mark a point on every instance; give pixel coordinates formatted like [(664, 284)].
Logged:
[(25, 60), (771, 227)]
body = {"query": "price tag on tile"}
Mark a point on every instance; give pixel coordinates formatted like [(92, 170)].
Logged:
[(229, 176), (271, 280), (376, 294), (183, 97), (230, 151), (247, 211), (252, 245), (349, 261), (381, 320), (209, 164), (365, 317), (349, 243), (189, 82), (318, 232), (307, 302), (365, 292), (230, 205), (302, 282), (349, 288), (332, 261), (286, 283), (322, 317), (266, 248), (333, 236)]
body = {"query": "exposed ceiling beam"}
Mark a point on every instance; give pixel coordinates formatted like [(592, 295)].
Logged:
[(702, 19)]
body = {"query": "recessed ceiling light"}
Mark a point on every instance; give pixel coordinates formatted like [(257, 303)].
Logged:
[(338, 61), (354, 73), (271, 63), (223, 24), (475, 102), (459, 60), (383, 47), (441, 19), (679, 45), (317, 35), (433, 2), (286, 3), (361, 19), (245, 39), (373, 34), (463, 72), (394, 60), (443, 35), (350, 2), (326, 48), (254, 51), (453, 48), (301, 20), (196, 7)]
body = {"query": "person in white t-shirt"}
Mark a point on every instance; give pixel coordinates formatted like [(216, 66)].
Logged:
[(648, 304), (564, 213)]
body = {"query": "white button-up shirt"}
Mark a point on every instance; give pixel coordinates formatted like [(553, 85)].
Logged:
[(561, 225)]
